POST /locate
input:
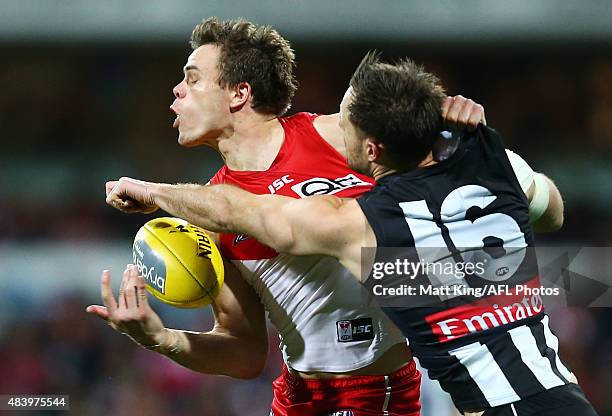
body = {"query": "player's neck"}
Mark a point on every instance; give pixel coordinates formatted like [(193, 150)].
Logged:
[(253, 144), (380, 171)]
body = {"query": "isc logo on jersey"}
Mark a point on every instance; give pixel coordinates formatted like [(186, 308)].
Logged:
[(355, 330)]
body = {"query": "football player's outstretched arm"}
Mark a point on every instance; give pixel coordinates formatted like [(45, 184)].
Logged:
[(237, 346), (324, 225)]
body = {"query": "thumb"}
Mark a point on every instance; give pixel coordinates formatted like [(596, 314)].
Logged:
[(109, 186), (99, 311)]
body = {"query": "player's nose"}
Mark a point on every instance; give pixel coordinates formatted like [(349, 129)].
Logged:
[(178, 91)]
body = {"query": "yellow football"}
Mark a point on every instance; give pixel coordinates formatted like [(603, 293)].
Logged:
[(179, 261)]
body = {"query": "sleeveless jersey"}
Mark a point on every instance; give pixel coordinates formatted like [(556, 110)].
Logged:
[(484, 350), (322, 314)]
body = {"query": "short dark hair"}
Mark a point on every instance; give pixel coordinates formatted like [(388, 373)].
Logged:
[(400, 105), (255, 54)]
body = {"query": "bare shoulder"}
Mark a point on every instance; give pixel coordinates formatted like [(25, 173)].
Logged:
[(327, 126)]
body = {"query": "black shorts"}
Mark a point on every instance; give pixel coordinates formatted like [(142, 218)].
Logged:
[(568, 400)]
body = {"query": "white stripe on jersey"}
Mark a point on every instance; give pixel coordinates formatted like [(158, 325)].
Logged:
[(540, 366), (553, 342), (486, 373)]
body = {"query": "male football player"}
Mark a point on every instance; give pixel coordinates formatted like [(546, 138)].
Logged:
[(238, 82), (494, 354)]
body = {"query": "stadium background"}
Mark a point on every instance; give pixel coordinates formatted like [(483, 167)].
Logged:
[(85, 93)]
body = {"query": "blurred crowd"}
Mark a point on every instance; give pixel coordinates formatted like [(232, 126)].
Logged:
[(72, 117), (58, 349)]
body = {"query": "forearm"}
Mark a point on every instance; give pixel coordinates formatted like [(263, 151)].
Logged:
[(210, 207), (552, 218), (213, 352), (226, 208), (545, 202)]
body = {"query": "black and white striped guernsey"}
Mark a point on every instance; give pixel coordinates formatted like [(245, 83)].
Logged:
[(484, 351)]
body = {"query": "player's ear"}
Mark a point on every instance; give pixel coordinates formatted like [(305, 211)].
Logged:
[(374, 149), (239, 95)]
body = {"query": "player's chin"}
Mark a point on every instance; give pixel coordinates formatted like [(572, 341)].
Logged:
[(186, 140)]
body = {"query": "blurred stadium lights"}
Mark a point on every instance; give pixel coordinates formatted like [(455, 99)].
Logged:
[(437, 20)]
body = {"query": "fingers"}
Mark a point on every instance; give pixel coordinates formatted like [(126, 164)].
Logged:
[(476, 116), (133, 292), (130, 195), (141, 295), (454, 110), (110, 185), (115, 190), (464, 114), (461, 112), (448, 101), (123, 299), (483, 119), (471, 114), (107, 292), (117, 193), (99, 311), (131, 314), (131, 288), (113, 197)]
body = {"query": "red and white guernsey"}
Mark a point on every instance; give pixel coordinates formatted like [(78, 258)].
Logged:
[(322, 314)]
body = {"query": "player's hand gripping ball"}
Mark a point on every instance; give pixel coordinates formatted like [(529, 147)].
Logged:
[(181, 264)]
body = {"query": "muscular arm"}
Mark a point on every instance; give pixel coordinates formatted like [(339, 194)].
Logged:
[(317, 225), (324, 225), (236, 346)]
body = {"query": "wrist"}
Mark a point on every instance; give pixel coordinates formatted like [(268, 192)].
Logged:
[(163, 195), (166, 342), (156, 192), (540, 199)]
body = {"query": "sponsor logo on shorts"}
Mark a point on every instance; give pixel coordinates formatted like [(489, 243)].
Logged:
[(355, 330)]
